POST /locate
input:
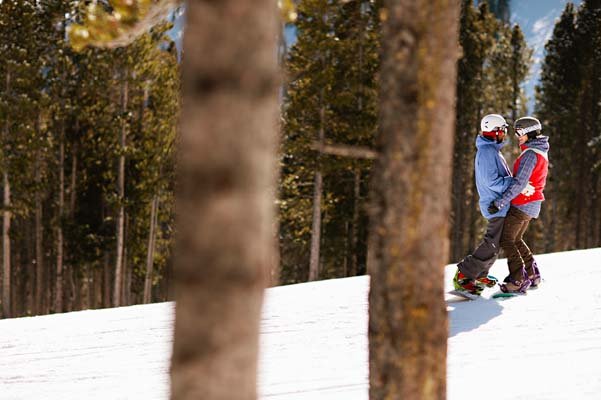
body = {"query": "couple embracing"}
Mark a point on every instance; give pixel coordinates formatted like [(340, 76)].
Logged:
[(509, 201)]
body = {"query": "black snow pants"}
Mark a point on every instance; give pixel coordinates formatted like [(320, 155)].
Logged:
[(477, 264)]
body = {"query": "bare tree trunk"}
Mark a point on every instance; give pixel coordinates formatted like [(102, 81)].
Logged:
[(58, 304), (107, 281), (150, 250), (125, 296), (411, 200), (73, 187), (317, 194), (121, 193), (39, 239), (355, 224), (225, 197), (6, 216)]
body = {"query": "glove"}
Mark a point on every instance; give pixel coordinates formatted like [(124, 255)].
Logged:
[(528, 190), (492, 208)]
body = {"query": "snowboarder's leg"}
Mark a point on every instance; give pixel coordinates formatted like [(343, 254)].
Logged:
[(517, 281), (529, 263), (477, 264), (513, 225)]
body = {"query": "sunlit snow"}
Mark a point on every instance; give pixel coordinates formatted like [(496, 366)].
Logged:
[(546, 345)]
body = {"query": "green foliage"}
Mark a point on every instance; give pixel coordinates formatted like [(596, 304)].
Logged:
[(332, 87), (50, 96), (568, 102)]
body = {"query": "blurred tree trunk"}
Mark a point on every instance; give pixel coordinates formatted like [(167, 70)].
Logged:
[(6, 215), (225, 201), (317, 195), (411, 200), (150, 250), (58, 304), (121, 195), (39, 243)]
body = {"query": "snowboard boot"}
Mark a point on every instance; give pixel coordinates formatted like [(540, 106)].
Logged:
[(462, 283), (534, 275), (511, 285), (489, 281)]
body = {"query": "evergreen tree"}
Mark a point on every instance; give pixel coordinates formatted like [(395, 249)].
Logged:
[(331, 94), (493, 66)]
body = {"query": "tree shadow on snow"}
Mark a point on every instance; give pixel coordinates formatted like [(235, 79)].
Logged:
[(465, 316)]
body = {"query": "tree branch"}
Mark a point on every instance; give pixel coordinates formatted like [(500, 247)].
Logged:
[(342, 150)]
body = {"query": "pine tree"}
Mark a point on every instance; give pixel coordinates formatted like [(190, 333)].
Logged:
[(332, 89)]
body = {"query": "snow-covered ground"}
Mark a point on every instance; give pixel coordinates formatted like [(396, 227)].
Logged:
[(546, 345)]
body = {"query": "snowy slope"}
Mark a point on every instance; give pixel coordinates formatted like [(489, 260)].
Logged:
[(546, 345)]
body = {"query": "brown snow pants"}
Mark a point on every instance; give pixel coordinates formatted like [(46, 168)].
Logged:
[(519, 256)]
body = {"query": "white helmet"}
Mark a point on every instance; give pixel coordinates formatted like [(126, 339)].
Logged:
[(494, 126), (492, 121)]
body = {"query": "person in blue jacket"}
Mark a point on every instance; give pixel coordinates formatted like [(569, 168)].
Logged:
[(493, 177)]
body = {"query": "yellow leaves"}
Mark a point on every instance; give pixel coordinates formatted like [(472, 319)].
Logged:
[(120, 27), (287, 10)]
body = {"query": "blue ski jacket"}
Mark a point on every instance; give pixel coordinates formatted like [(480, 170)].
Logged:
[(493, 176)]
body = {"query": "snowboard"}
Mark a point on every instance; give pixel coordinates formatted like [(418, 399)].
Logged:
[(465, 295), (503, 295)]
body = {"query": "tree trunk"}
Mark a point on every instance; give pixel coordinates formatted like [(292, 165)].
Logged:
[(58, 304), (150, 251), (39, 245), (411, 200), (225, 198), (6, 216), (317, 194), (107, 281), (354, 234), (73, 187), (121, 194)]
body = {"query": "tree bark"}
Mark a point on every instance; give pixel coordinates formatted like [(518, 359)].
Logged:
[(225, 204), (150, 251), (58, 304), (354, 234), (411, 200), (6, 270), (317, 194), (121, 194), (6, 216), (39, 245)]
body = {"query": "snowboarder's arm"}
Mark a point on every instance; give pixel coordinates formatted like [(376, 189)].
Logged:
[(495, 181), (520, 181)]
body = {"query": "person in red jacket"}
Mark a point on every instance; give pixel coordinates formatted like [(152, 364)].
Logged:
[(525, 195)]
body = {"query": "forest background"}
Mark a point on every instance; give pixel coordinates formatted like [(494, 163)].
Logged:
[(88, 140)]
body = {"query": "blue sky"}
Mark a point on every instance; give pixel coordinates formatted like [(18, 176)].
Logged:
[(537, 19)]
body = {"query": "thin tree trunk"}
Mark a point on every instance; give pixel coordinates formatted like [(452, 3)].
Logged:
[(225, 197), (73, 187), (354, 233), (317, 194), (6, 216), (150, 250), (39, 239), (58, 305), (30, 269), (6, 270), (411, 201), (121, 193), (125, 296), (107, 281)]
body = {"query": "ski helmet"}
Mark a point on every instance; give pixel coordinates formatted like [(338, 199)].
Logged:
[(527, 126), (494, 126)]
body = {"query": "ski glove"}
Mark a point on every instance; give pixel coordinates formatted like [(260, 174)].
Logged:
[(492, 208), (528, 190)]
